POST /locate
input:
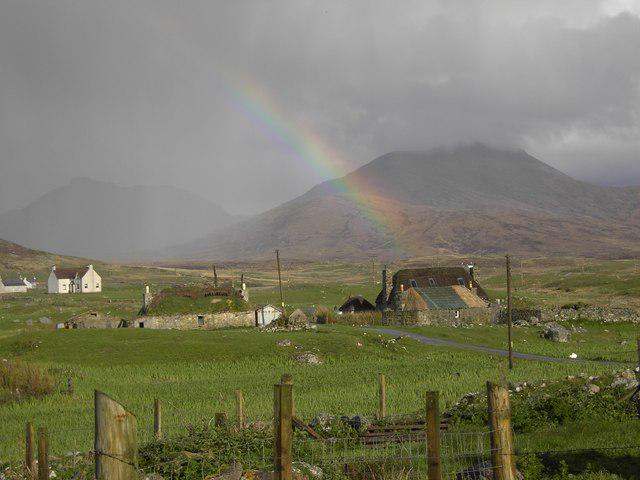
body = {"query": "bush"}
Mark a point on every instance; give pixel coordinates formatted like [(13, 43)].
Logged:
[(19, 381)]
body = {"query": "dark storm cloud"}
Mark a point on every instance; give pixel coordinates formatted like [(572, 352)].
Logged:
[(141, 91)]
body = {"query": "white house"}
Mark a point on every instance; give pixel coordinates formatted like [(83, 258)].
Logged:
[(265, 314), (74, 280), (13, 286)]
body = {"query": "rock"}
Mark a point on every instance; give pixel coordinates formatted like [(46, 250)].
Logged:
[(298, 319), (308, 471), (482, 471), (556, 333), (284, 343), (308, 358), (232, 472), (534, 321), (323, 421), (153, 476), (360, 422), (624, 382), (592, 389), (255, 475), (45, 320)]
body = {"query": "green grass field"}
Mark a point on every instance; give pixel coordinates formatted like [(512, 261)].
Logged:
[(194, 373)]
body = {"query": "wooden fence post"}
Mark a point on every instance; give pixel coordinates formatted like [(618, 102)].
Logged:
[(433, 437), (240, 409), (115, 444), (283, 431), (382, 397), (157, 419), (502, 453), (29, 452), (43, 454)]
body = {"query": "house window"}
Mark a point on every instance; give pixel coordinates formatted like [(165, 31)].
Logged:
[(86, 286), (97, 285), (200, 320), (141, 324), (64, 286), (413, 283), (461, 282), (432, 282)]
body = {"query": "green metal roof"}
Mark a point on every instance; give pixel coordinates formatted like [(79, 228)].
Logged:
[(441, 298)]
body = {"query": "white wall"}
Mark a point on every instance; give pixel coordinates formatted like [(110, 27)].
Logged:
[(52, 283), (91, 282)]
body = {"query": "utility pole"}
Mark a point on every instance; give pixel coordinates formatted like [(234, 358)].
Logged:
[(373, 271), (280, 281), (509, 312), (215, 277)]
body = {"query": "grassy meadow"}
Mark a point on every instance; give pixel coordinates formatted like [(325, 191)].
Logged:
[(195, 373)]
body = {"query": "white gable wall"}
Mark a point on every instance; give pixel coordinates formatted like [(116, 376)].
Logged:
[(91, 282)]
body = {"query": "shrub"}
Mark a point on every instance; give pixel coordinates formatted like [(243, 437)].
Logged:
[(19, 381)]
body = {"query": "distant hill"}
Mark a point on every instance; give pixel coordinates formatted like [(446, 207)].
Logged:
[(102, 220), (471, 199), (16, 259)]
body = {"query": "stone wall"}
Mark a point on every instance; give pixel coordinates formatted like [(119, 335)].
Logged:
[(600, 314), (196, 322), (465, 316)]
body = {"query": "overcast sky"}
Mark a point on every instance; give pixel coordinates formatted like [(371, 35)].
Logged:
[(164, 91)]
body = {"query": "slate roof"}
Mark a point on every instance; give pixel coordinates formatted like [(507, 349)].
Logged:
[(358, 303), (70, 273), (456, 297), (11, 282)]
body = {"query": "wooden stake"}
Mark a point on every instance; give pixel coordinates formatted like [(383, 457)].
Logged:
[(240, 409), (433, 437), (382, 397), (280, 282), (502, 453), (29, 452), (509, 313), (157, 420), (43, 454), (115, 444), (283, 431)]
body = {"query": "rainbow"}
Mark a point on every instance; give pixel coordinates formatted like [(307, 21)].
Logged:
[(256, 104)]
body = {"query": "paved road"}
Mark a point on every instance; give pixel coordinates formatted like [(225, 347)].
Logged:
[(529, 356)]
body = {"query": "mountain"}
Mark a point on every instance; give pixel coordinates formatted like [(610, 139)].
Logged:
[(102, 220), (471, 199)]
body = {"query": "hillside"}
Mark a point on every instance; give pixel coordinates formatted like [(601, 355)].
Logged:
[(471, 199), (103, 220), (16, 259)]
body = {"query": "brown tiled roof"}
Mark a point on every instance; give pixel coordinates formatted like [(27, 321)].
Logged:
[(70, 273)]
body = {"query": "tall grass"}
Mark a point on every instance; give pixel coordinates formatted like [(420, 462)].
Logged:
[(21, 381)]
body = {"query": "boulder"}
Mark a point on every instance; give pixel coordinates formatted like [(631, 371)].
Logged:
[(153, 476), (284, 343), (592, 389), (323, 422), (232, 472), (308, 358), (556, 333), (298, 319), (482, 471)]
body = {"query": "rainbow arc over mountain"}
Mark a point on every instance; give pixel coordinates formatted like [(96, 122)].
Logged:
[(292, 136)]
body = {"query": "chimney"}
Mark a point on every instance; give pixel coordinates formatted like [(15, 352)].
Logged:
[(90, 267), (401, 287), (53, 268), (472, 272)]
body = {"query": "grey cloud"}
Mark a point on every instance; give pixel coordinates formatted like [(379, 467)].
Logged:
[(142, 92)]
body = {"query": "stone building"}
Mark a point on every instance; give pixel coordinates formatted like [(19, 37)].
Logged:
[(434, 295)]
